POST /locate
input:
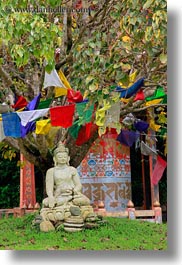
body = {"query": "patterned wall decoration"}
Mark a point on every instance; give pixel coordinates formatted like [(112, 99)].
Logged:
[(105, 173), (27, 184)]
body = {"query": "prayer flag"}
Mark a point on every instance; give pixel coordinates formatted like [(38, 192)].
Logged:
[(74, 129), (159, 93), (84, 112), (141, 126), (43, 126), (127, 93), (74, 96), (139, 96), (127, 137), (27, 116), (30, 127), (147, 150), (63, 79), (52, 79), (158, 170), (44, 104), (34, 103), (20, 102), (62, 115), (100, 113), (85, 133), (11, 124)]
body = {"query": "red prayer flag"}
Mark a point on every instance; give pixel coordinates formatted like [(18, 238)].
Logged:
[(20, 103), (139, 96), (62, 115), (85, 133), (158, 170), (74, 96)]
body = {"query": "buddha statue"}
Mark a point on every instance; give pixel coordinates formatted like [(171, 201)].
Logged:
[(63, 185), (65, 203)]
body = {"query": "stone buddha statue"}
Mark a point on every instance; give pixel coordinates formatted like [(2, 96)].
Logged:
[(64, 190), (63, 182)]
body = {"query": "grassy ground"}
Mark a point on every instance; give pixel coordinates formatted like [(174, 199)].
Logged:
[(116, 234)]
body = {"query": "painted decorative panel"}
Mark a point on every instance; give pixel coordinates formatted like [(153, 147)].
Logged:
[(105, 173)]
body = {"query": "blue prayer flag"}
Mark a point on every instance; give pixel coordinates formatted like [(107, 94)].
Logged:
[(11, 124)]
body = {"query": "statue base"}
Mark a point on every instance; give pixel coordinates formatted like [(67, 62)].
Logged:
[(69, 218)]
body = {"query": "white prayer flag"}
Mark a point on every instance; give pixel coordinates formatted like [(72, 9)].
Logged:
[(31, 115), (52, 79)]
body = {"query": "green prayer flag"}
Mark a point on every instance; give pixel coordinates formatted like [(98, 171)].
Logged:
[(84, 112), (74, 129), (159, 93), (44, 104)]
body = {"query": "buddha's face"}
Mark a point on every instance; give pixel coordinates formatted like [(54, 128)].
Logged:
[(62, 157)]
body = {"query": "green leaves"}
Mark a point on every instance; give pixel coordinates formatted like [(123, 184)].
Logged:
[(148, 4)]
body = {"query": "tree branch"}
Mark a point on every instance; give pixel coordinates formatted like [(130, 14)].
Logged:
[(6, 77)]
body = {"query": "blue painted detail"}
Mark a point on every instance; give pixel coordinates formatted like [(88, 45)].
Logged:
[(91, 162), (122, 161), (109, 173)]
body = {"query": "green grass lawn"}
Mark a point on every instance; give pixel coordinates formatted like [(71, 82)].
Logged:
[(116, 234)]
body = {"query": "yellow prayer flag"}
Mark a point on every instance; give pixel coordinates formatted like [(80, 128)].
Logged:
[(63, 79), (43, 126), (100, 113), (62, 91), (153, 102), (154, 126)]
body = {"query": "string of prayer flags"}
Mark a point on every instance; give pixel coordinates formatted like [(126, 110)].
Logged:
[(30, 127), (43, 126), (74, 96), (139, 95), (141, 126), (11, 124), (147, 150), (127, 137), (34, 103), (27, 116), (100, 113), (52, 79), (159, 93), (127, 93), (2, 135), (20, 102), (62, 115), (158, 170)]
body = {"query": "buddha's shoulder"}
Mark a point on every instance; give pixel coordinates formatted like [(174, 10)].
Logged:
[(50, 170), (73, 169)]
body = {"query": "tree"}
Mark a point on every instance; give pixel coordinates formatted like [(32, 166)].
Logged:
[(101, 44)]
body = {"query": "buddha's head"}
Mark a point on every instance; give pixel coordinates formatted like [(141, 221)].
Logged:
[(61, 154)]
